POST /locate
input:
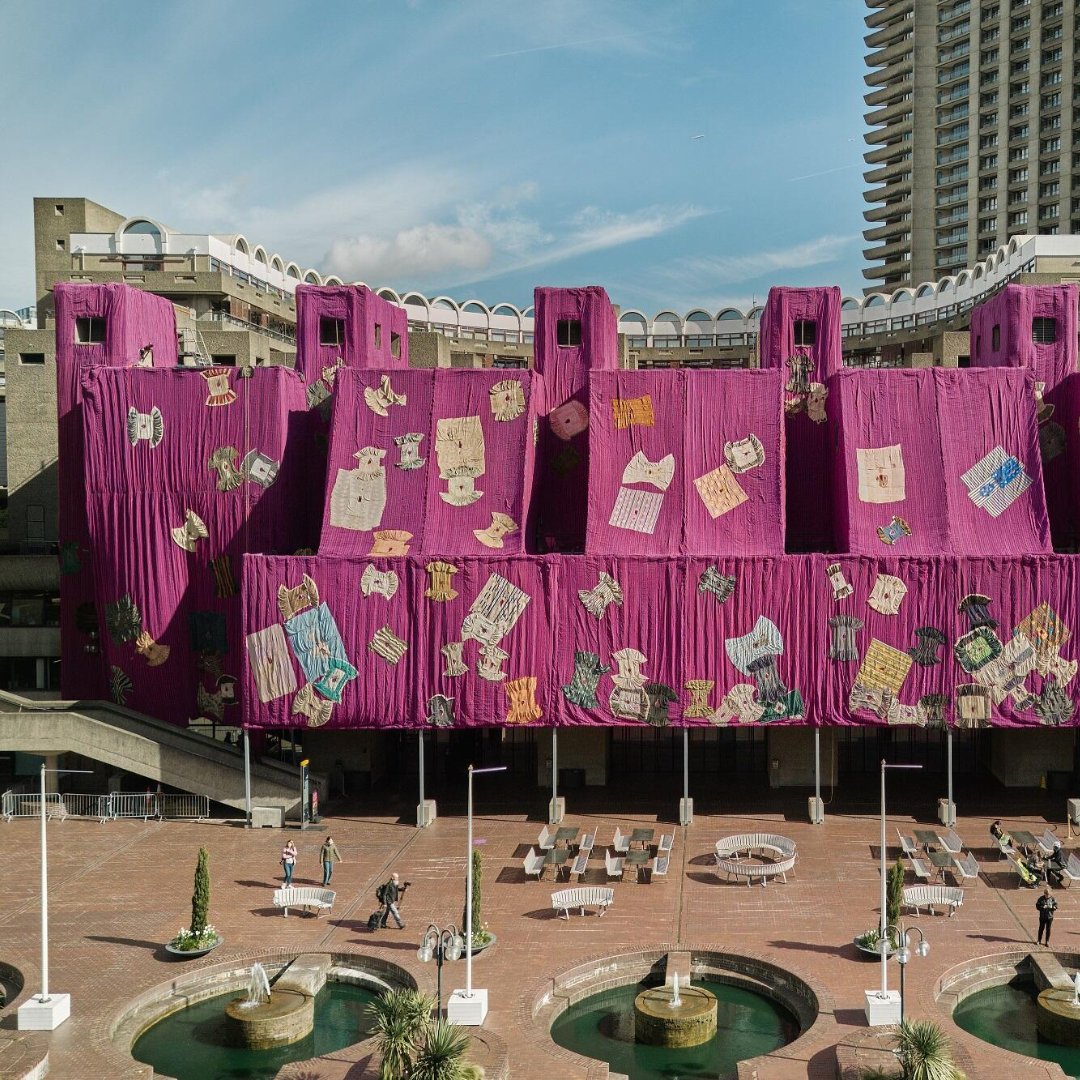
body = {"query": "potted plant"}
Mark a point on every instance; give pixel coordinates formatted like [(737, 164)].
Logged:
[(414, 1044), (923, 1050), (869, 942), (482, 937), (200, 937)]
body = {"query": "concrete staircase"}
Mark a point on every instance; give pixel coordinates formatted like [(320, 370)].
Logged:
[(144, 746)]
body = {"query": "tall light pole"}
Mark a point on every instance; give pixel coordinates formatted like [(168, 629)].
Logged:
[(45, 1011), (440, 945), (468, 1007), (883, 1007), (903, 955)]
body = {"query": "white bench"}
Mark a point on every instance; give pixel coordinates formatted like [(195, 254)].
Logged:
[(613, 864), (621, 842), (583, 897), (1071, 870), (581, 865), (907, 844), (929, 896), (660, 865), (667, 842), (966, 868), (546, 840), (533, 864), (588, 841), (737, 868), (305, 896), (1047, 842), (770, 843)]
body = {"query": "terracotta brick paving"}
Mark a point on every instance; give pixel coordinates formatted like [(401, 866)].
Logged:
[(117, 891)]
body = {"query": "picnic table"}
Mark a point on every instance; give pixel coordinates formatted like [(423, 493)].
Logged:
[(566, 835), (928, 838), (942, 860), (1024, 838), (557, 857), (638, 858), (642, 836)]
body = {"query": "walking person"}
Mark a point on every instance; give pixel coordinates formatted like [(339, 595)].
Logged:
[(1046, 906), (288, 861), (393, 891), (328, 853)]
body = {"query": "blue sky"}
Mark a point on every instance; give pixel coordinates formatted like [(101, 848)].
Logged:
[(681, 154)]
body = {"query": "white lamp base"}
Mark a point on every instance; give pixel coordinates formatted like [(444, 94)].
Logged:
[(882, 1010), (467, 1011), (38, 1015)]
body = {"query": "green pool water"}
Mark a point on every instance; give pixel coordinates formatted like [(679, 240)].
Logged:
[(189, 1045), (1005, 1016), (602, 1027)]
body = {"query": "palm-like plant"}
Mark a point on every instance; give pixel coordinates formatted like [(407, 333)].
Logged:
[(400, 1019), (924, 1054), (442, 1053)]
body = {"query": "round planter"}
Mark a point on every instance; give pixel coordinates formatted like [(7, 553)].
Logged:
[(478, 949), (873, 951), (190, 954)]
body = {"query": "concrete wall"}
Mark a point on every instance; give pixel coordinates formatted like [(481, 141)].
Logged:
[(1022, 758)]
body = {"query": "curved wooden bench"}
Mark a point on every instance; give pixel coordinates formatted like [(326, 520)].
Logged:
[(586, 896), (917, 896), (736, 868), (772, 843), (305, 896)]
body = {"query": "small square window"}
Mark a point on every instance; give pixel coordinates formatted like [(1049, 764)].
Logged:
[(331, 331), (378, 335), (89, 330), (61, 244), (568, 333), (395, 344), (1044, 331), (223, 359), (805, 331), (58, 209), (995, 338), (31, 358)]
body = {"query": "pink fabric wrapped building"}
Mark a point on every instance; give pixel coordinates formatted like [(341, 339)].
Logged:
[(576, 332), (113, 326), (1035, 327), (937, 461), (432, 462), (800, 335), (686, 462)]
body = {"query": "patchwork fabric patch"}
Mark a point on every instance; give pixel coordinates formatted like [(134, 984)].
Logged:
[(489, 665), (358, 498), (800, 367), (259, 468), (842, 645), (661, 698), (494, 535), (1005, 676), (388, 645), (640, 470), (1054, 706), (928, 643), (636, 510), (409, 451), (223, 462), (1044, 629), (569, 419), (996, 482), (308, 703), (380, 398), (145, 427), (455, 665), (383, 582), (883, 668), (495, 611), (146, 357), (292, 601), (977, 648), (270, 666), (224, 581), (459, 446), (973, 707), (841, 588), (630, 662), (633, 412), (895, 531), (744, 455), (881, 474), (507, 399), (601, 596), (390, 542), (719, 585), (629, 702), (815, 402), (338, 675), (219, 389), (976, 608), (119, 685), (581, 689), (440, 587), (315, 641), (698, 707), (720, 491), (122, 620), (154, 653), (440, 711), (208, 632), (764, 640), (887, 594), (190, 533), (522, 695), (1051, 441)]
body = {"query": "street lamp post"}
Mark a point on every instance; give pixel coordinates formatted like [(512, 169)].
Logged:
[(883, 1006), (468, 1007), (440, 945), (903, 955), (45, 1011)]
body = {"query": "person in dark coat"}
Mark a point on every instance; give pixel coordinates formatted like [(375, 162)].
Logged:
[(393, 891), (1046, 906)]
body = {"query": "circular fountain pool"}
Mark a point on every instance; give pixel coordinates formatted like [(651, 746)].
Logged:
[(194, 1043), (1006, 1016), (602, 1026)]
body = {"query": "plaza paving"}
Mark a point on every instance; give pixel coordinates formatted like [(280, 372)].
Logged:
[(118, 891)]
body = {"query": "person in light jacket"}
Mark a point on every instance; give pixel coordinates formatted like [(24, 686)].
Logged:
[(288, 861), (328, 854)]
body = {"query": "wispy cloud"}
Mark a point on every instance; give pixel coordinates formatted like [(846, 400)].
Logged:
[(546, 48), (825, 172), (734, 269)]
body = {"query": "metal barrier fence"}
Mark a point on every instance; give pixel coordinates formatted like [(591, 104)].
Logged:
[(120, 804)]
